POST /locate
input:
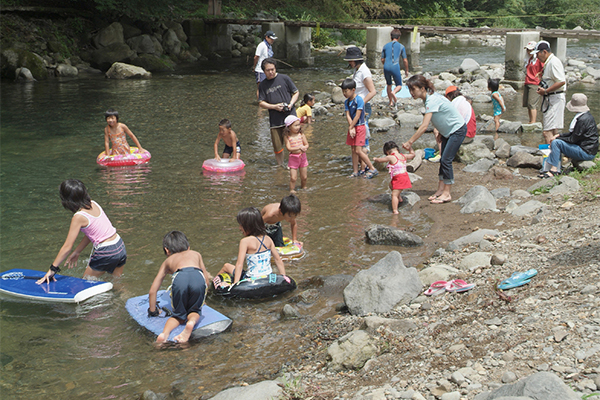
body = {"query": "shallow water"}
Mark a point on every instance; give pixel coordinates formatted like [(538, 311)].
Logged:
[(53, 130)]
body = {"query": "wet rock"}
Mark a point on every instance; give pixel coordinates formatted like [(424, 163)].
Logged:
[(381, 124), (535, 127), (531, 207), (471, 238), (309, 296), (542, 385), (383, 286), (474, 260), (522, 159), (381, 234), (510, 127), (66, 70), (126, 71), (289, 311), (502, 148), (153, 63), (150, 395), (401, 326), (24, 74), (352, 351), (264, 390), (337, 96), (408, 119), (112, 34), (566, 185), (478, 198), (483, 165), (335, 284), (11, 59)]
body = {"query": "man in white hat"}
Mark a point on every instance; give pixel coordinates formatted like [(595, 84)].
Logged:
[(552, 87), (580, 143), (533, 67), (263, 50)]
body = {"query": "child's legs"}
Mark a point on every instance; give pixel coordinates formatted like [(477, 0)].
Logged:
[(497, 121), (93, 272), (227, 268), (184, 336), (362, 156), (395, 200), (171, 324), (355, 159), (303, 177), (293, 178)]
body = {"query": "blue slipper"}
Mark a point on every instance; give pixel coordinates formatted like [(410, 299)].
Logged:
[(517, 279)]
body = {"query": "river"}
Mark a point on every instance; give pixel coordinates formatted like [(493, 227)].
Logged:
[(53, 130)]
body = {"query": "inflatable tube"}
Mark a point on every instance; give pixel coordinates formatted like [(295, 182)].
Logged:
[(253, 288), (133, 158), (290, 251), (224, 165)]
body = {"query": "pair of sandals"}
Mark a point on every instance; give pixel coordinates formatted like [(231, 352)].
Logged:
[(548, 174), (367, 173), (435, 199), (455, 285)]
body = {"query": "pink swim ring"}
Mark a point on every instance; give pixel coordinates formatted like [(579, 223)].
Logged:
[(133, 158), (225, 165)]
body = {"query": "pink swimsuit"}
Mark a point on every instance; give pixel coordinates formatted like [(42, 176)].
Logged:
[(399, 175), (118, 141)]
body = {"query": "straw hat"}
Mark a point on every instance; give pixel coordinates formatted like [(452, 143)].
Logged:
[(578, 103)]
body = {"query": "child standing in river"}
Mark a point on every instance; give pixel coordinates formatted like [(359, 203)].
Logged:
[(114, 134), (232, 144), (296, 144), (497, 102), (397, 167)]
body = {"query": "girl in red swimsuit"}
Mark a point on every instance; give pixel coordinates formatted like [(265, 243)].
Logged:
[(397, 167)]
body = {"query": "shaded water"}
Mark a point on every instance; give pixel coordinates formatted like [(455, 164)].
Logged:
[(53, 130)]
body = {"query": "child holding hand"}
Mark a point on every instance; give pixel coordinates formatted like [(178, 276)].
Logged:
[(296, 144), (497, 102), (114, 133), (256, 248), (397, 167)]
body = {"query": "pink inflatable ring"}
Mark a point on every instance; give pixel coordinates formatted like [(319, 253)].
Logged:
[(133, 158), (225, 165)]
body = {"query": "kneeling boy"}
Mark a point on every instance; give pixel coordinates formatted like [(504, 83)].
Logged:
[(274, 213), (188, 289)]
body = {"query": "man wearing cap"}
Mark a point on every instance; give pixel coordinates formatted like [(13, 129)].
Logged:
[(263, 50), (533, 66), (278, 94), (552, 87), (580, 143)]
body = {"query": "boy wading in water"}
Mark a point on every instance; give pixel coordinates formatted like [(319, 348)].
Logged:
[(188, 289), (274, 213)]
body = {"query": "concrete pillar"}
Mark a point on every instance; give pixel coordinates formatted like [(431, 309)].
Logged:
[(377, 37), (558, 46), (297, 40), (209, 38), (515, 54), (279, 46), (412, 43)]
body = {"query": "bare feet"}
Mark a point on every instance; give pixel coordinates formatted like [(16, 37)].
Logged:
[(434, 196), (161, 338), (395, 212), (439, 200), (187, 332)]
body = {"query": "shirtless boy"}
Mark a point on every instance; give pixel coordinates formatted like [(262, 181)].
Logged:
[(274, 213), (232, 144), (188, 289)]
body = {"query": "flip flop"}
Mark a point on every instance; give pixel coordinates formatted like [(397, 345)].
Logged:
[(437, 200), (517, 279), (436, 288), (458, 286), (433, 197)]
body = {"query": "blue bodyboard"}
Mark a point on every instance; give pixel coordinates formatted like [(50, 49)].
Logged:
[(404, 93), (66, 289), (211, 321)]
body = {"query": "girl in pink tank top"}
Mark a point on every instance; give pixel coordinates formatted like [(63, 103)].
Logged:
[(296, 144), (397, 167), (109, 254)]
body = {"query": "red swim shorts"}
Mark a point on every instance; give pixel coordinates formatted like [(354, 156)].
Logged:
[(359, 139)]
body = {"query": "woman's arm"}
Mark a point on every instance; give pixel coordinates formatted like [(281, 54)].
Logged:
[(371, 88), (426, 120)]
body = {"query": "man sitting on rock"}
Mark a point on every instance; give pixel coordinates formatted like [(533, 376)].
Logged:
[(580, 143)]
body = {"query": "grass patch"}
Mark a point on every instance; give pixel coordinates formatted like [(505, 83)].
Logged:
[(589, 179)]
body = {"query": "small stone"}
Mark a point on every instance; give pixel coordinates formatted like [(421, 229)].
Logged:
[(589, 289), (498, 259), (559, 333), (407, 394), (456, 347), (543, 367), (451, 396), (289, 311), (509, 377), (493, 321), (567, 205), (508, 356), (457, 378)]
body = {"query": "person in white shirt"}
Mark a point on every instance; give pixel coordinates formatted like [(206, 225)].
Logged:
[(263, 50)]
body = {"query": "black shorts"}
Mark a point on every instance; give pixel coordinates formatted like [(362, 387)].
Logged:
[(188, 292), (275, 232), (229, 149), (108, 258)]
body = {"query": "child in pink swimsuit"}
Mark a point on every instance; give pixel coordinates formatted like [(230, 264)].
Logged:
[(296, 144), (114, 133), (397, 167)]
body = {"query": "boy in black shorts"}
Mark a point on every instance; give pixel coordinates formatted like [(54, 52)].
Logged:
[(188, 289), (232, 144)]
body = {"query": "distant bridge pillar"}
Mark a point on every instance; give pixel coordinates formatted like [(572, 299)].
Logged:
[(515, 55), (377, 37), (558, 46), (279, 46), (297, 40), (412, 43)]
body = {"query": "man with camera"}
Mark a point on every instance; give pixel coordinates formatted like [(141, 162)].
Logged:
[(553, 85), (278, 94)]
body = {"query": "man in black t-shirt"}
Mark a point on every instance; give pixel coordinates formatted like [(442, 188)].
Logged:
[(278, 94)]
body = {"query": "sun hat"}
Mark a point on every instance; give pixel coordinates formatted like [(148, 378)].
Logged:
[(353, 54), (541, 45), (531, 45), (290, 119), (271, 35), (451, 89), (578, 103)]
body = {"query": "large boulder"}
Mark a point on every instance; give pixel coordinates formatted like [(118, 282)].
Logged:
[(566, 185), (474, 237), (171, 43), (152, 63), (408, 119), (469, 153), (381, 124), (510, 127), (381, 234), (469, 65), (66, 70), (478, 198), (105, 57), (126, 71), (523, 159), (380, 288), (11, 59), (337, 96), (265, 390), (352, 351), (539, 386), (178, 29), (529, 208), (112, 34), (483, 165), (142, 44)]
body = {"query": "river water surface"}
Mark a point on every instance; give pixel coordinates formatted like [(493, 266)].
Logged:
[(53, 130)]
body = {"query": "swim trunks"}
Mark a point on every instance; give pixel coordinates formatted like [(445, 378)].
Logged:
[(275, 232), (188, 291), (229, 149), (359, 138), (108, 256)]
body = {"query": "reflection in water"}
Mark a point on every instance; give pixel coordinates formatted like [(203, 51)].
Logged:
[(122, 182)]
